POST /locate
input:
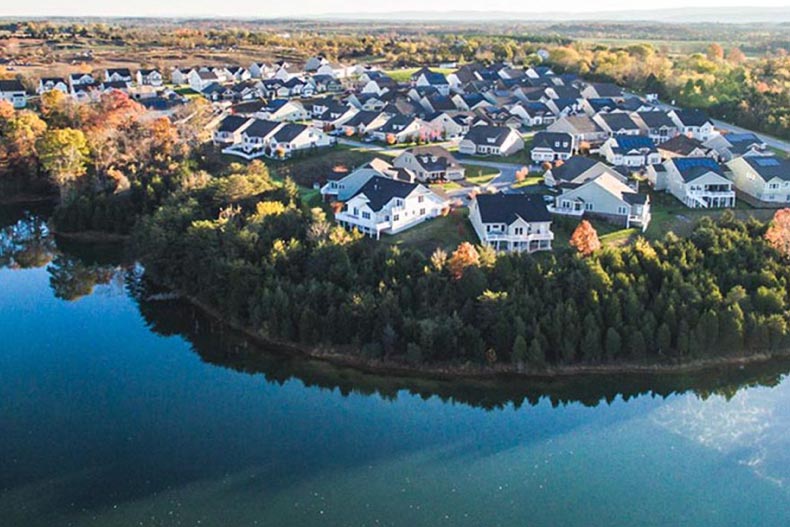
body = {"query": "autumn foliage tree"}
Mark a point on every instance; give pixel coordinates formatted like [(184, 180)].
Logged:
[(585, 238), (464, 256), (778, 233), (63, 154)]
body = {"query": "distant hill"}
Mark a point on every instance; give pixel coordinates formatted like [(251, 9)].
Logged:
[(732, 15)]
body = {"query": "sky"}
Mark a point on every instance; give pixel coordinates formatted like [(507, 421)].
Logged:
[(271, 9)]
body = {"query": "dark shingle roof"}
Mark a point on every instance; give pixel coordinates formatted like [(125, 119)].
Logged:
[(770, 167), (289, 132), (433, 158), (556, 141), (488, 135), (506, 208), (690, 168), (261, 128), (692, 117), (618, 121), (682, 145), (231, 123), (380, 190), (573, 167), (656, 119), (11, 85)]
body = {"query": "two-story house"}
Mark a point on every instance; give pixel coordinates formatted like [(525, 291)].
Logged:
[(766, 179), (698, 182), (230, 129), (512, 222), (46, 84), (149, 77), (552, 146), (491, 140), (605, 197), (577, 170), (430, 163), (630, 151), (13, 91), (390, 206), (694, 123)]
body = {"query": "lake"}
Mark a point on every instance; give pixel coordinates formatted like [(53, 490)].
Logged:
[(120, 406)]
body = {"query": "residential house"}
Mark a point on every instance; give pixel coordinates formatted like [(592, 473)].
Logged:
[(430, 163), (199, 80), (607, 197), (118, 75), (238, 73), (283, 110), (390, 206), (698, 182), (694, 123), (80, 79), (441, 125), (400, 129), (149, 77), (180, 76), (46, 84), (630, 151), (601, 90), (512, 222), (260, 70), (364, 122), (491, 140), (533, 114), (313, 63), (577, 170), (256, 136), (685, 146), (582, 127), (342, 187), (730, 146), (551, 146), (230, 129), (658, 126), (435, 80), (618, 123), (12, 91), (292, 137), (766, 179)]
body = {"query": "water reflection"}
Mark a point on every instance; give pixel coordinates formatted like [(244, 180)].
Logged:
[(76, 269)]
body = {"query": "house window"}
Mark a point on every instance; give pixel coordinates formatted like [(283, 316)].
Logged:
[(422, 212), (588, 206), (621, 210), (395, 217), (519, 231), (366, 215), (356, 211), (420, 199)]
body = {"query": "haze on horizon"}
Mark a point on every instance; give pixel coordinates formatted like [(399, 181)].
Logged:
[(350, 8)]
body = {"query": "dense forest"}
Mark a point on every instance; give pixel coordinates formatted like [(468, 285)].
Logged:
[(267, 263)]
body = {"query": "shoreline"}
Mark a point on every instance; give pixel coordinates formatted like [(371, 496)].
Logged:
[(449, 372)]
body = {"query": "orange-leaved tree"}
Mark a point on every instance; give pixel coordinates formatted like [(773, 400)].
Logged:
[(585, 238), (778, 233), (464, 256)]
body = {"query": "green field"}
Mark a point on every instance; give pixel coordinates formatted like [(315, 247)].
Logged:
[(445, 232)]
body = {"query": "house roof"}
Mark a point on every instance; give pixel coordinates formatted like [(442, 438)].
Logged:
[(363, 118), (656, 119), (628, 143), (690, 168), (606, 89), (261, 128), (507, 208), (770, 167), (682, 145), (120, 71), (692, 117), (434, 158), (618, 121), (488, 135), (231, 123), (583, 124), (573, 167), (288, 132), (380, 190), (397, 123), (11, 85), (554, 141)]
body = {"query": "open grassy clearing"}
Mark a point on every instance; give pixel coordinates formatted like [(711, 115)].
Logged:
[(445, 232)]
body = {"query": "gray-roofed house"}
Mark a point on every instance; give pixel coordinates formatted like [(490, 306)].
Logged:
[(658, 126), (552, 146), (491, 140), (13, 91), (685, 146), (390, 206), (605, 197), (730, 146), (512, 222), (582, 127), (430, 163), (630, 151), (694, 123), (766, 179), (617, 123), (577, 170), (230, 129)]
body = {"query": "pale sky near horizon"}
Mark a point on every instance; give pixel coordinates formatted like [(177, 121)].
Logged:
[(259, 9)]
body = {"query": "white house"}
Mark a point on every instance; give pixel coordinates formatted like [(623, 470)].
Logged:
[(283, 110), (577, 170), (291, 138), (256, 136), (730, 146), (46, 84), (698, 182), (658, 126), (389, 206), (444, 126), (180, 76), (491, 140), (552, 146), (434, 80), (260, 70), (512, 222), (694, 123), (582, 127), (765, 179), (80, 79), (199, 80), (117, 75), (343, 187), (13, 91), (430, 163), (630, 151), (230, 129), (617, 123), (149, 77), (605, 197)]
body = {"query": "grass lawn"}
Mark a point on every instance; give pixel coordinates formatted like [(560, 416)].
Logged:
[(449, 185), (404, 74), (445, 232), (529, 181), (481, 175), (309, 168)]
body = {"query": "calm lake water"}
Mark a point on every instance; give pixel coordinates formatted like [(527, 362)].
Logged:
[(119, 407)]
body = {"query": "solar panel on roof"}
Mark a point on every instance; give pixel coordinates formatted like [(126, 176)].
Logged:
[(767, 162)]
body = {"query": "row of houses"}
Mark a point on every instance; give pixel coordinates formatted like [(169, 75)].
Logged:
[(252, 137)]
